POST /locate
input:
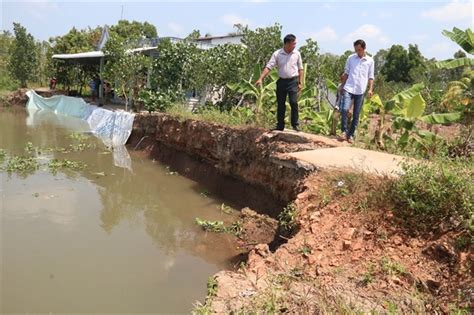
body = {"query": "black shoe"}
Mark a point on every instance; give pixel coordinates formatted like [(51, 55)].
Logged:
[(277, 129), (296, 128)]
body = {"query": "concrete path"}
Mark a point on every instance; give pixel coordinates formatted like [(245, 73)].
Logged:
[(349, 157)]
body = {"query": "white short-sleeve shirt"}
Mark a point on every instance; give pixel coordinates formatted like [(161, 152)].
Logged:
[(287, 64), (359, 71)]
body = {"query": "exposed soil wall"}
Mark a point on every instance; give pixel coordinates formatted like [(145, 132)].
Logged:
[(252, 156)]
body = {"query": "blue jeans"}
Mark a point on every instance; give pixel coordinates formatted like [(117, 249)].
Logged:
[(345, 106)]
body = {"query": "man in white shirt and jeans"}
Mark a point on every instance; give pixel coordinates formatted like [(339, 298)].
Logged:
[(359, 71), (290, 70)]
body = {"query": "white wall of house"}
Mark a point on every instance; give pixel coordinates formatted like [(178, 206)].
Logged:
[(219, 40)]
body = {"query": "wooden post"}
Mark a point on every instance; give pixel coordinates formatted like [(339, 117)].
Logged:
[(101, 85)]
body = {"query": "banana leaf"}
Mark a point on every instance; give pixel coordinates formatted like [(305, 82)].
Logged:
[(331, 86), (442, 119), (398, 101), (455, 63), (465, 39), (416, 107)]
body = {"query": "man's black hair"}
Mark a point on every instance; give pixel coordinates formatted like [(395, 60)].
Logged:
[(289, 38), (359, 42)]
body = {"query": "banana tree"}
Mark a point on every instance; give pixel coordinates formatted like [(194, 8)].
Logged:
[(307, 97), (407, 107), (460, 93), (263, 94), (322, 121), (319, 122), (465, 39)]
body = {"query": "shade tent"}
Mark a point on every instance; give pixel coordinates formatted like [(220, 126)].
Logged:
[(90, 57), (98, 58)]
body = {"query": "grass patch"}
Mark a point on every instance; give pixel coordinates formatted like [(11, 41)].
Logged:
[(305, 250), (391, 267), (369, 275), (236, 116)]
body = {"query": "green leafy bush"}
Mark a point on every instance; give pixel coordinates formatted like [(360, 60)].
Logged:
[(429, 194), (156, 100), (287, 218)]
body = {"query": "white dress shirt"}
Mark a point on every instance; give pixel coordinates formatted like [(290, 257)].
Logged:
[(287, 64), (359, 71)]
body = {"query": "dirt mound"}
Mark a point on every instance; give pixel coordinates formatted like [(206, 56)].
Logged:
[(347, 258), (16, 98), (256, 229)]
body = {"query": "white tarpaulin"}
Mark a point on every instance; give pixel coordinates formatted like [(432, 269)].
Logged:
[(112, 127)]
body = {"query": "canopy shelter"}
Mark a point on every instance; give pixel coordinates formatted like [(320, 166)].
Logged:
[(98, 58), (89, 58)]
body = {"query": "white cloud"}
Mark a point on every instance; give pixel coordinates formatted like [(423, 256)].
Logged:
[(454, 11), (325, 34), (176, 28), (369, 33), (232, 19)]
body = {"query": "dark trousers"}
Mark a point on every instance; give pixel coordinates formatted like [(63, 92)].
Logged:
[(287, 87)]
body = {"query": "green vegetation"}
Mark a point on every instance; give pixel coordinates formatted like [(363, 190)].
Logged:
[(127, 69), (412, 93), (219, 227), (21, 165), (29, 148), (22, 55), (369, 275), (77, 136), (431, 194), (55, 165), (211, 292), (287, 218), (391, 267), (225, 209), (212, 226)]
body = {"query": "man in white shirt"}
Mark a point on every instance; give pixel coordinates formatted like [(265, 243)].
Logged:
[(290, 70), (358, 72)]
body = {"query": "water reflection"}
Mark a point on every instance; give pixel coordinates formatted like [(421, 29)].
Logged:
[(102, 239)]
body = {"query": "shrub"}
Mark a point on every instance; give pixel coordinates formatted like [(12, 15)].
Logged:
[(157, 100), (429, 194), (287, 218)]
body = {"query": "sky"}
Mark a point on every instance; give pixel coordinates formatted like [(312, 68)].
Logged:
[(335, 25)]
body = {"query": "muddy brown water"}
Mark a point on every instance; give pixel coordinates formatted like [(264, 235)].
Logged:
[(105, 239)]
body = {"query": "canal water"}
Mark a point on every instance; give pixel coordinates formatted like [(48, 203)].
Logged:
[(102, 238)]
